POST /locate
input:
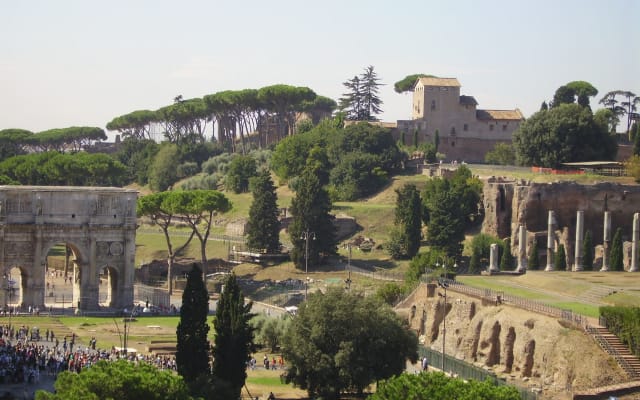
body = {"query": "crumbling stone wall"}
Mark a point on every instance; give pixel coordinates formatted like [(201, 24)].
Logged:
[(535, 349), (509, 203)]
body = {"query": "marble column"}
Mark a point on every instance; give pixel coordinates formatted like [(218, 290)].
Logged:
[(522, 249), (579, 239), (551, 221), (493, 258), (635, 238), (606, 241)]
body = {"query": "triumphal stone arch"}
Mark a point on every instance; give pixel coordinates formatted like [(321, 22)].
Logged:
[(98, 224)]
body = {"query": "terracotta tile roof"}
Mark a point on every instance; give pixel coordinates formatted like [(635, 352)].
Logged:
[(468, 101), (488, 115), (439, 81)]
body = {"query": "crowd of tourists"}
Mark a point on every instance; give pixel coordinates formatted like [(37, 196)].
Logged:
[(24, 359)]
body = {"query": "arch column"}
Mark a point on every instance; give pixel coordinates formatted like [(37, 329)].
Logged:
[(126, 275), (33, 286)]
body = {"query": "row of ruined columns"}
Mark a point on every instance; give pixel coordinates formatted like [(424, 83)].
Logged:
[(578, 265)]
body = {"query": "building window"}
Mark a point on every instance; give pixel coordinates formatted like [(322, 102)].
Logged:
[(453, 144), (453, 131), (444, 89), (433, 105), (504, 127), (491, 127), (465, 127)]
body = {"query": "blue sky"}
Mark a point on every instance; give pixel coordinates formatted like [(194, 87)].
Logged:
[(80, 62)]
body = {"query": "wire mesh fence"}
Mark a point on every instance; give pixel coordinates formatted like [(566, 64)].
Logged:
[(465, 370)]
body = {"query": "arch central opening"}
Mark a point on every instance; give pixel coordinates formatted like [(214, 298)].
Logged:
[(61, 277)]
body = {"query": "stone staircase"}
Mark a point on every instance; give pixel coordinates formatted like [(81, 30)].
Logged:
[(618, 350), (595, 293)]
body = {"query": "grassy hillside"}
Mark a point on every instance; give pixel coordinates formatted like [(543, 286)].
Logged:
[(375, 215)]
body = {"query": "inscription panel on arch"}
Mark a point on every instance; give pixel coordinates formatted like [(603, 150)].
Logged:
[(18, 251)]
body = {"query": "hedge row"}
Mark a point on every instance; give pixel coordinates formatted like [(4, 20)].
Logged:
[(624, 322)]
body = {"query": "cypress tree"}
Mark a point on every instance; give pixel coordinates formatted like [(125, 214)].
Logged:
[(560, 260), (474, 262), (192, 349), (436, 140), (533, 260), (506, 261), (587, 252), (408, 218), (615, 256), (636, 139), (263, 227), (234, 340)]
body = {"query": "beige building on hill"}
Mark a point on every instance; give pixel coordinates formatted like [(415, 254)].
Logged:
[(466, 133)]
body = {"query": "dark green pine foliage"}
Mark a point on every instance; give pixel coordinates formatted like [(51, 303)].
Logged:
[(560, 260), (310, 208), (263, 227), (371, 101), (475, 260), (446, 220), (587, 252), (636, 139), (507, 260), (408, 218), (615, 256), (533, 261), (192, 355), (234, 340)]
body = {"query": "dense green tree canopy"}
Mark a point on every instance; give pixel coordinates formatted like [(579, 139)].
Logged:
[(163, 171), (122, 380), (57, 169), (184, 121), (290, 155), (13, 142), (567, 94), (134, 125), (450, 204), (501, 154), (566, 133), (74, 138), (241, 170), (342, 342), (357, 160), (438, 386), (137, 155)]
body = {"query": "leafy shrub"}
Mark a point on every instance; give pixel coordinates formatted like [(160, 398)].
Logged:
[(187, 169), (204, 182), (624, 322)]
